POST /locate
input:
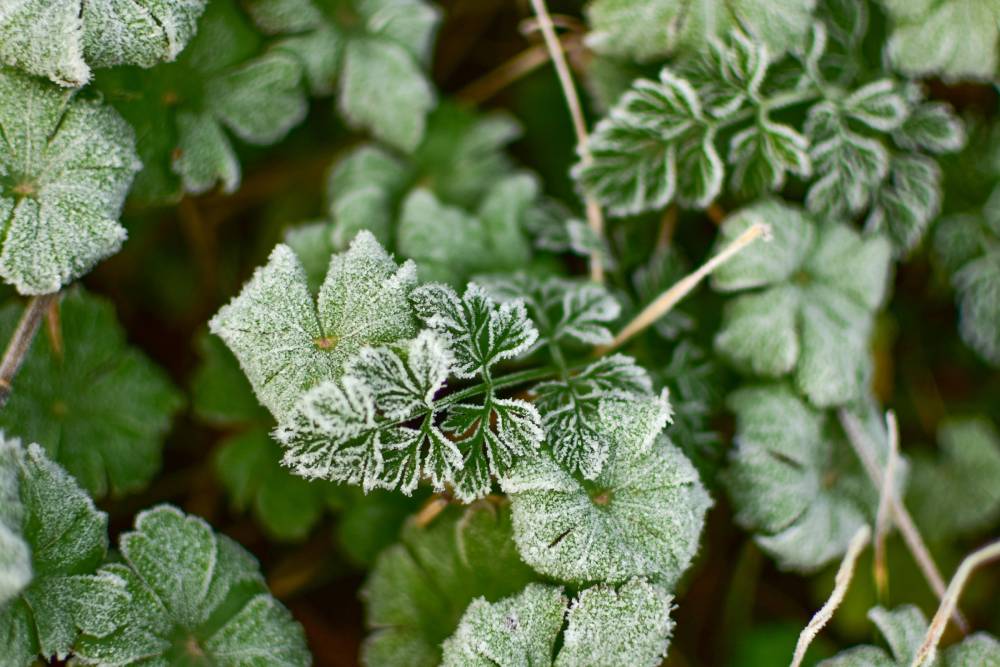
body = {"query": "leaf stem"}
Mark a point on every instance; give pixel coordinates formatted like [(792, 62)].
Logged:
[(882, 517), (904, 522), (668, 299), (594, 216), (775, 103), (949, 603), (843, 579), (20, 342)]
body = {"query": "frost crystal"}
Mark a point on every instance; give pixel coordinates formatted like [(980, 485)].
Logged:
[(904, 629), (191, 596), (816, 288), (641, 516), (66, 163), (605, 627), (794, 480), (287, 342), (65, 537), (372, 52), (64, 40)]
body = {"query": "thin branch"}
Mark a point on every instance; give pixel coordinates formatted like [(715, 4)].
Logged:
[(20, 342), (505, 74), (663, 303), (882, 517), (594, 216), (843, 579), (430, 510), (901, 517), (949, 603)]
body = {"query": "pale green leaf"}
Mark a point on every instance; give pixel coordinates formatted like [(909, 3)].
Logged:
[(66, 163), (64, 40)]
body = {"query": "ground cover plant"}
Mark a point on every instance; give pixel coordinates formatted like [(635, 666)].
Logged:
[(500, 332)]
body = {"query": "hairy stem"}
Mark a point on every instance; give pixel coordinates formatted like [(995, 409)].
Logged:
[(949, 603), (843, 579), (594, 216), (20, 342), (901, 517), (882, 518), (663, 303)]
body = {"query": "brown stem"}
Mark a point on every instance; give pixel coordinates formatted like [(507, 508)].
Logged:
[(20, 342)]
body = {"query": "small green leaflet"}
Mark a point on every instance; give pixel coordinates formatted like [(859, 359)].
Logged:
[(66, 163), (958, 494), (65, 538), (642, 516), (99, 407), (372, 52), (955, 39), (647, 30), (191, 595), (794, 480), (418, 589), (181, 111), (604, 626), (904, 629), (816, 288), (64, 40), (287, 341)]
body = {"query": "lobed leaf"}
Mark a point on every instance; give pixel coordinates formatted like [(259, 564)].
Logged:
[(98, 406)]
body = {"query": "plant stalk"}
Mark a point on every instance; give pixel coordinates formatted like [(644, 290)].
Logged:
[(20, 342)]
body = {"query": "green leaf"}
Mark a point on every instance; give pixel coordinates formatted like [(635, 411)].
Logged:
[(648, 30), (99, 407), (364, 190), (813, 314), (220, 393), (931, 126), (63, 41), (15, 554), (419, 588), (192, 596), (287, 342), (604, 627), (794, 480), (65, 537), (372, 52), (907, 201), (641, 516), (636, 149), (763, 154), (181, 111), (956, 39), (66, 163), (904, 629), (957, 494)]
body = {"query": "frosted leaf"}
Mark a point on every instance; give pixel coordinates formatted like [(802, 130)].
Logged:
[(66, 163), (627, 626), (931, 126), (98, 406), (287, 342), (636, 150), (907, 201), (794, 480), (191, 595), (649, 30), (400, 387), (479, 332), (372, 52), (763, 154), (958, 494), (66, 537), (642, 516), (15, 554), (64, 40), (519, 630), (820, 285), (903, 629), (363, 189), (563, 310), (850, 164), (418, 589), (353, 430), (956, 39), (181, 111)]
